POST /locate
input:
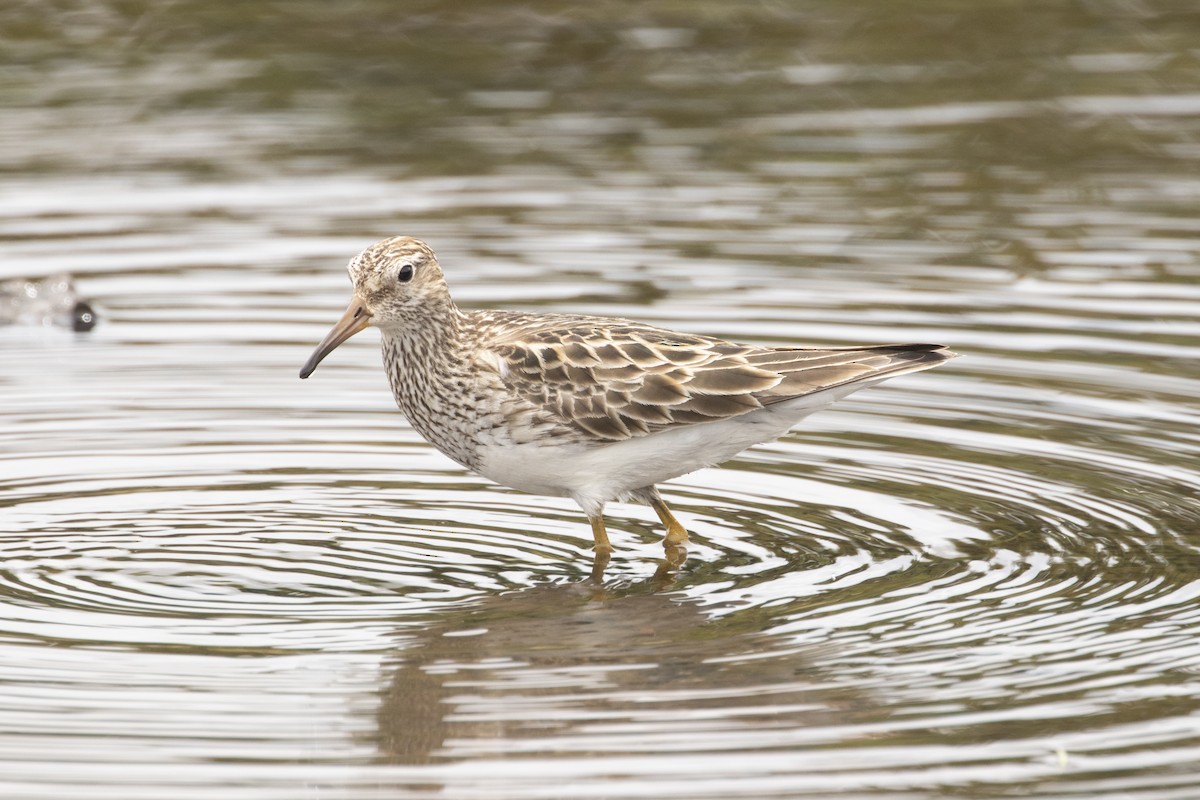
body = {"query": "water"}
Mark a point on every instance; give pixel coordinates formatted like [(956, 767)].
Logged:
[(979, 581)]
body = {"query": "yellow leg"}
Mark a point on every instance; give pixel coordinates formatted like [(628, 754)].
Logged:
[(603, 546), (599, 563), (676, 533)]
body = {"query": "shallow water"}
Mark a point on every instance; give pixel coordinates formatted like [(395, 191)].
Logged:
[(979, 581)]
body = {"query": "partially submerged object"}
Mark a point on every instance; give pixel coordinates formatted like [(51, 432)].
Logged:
[(45, 301)]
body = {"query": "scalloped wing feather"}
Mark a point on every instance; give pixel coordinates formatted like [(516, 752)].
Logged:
[(616, 380)]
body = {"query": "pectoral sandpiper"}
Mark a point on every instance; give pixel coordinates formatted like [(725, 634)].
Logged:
[(591, 408)]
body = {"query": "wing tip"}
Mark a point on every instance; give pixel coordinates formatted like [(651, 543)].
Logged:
[(916, 355)]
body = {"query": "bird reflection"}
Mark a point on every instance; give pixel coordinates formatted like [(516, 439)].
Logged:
[(566, 661), (674, 556)]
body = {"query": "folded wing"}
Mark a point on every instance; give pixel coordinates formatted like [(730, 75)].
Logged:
[(621, 381)]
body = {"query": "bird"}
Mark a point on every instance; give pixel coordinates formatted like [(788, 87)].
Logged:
[(592, 408), (45, 301)]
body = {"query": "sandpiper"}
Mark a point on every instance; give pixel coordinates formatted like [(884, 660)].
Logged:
[(45, 301), (591, 408)]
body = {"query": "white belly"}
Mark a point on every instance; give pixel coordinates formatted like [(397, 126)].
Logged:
[(594, 474)]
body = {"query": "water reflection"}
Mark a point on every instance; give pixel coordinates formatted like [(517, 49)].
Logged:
[(589, 668)]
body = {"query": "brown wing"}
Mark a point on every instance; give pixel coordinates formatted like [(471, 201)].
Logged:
[(625, 381)]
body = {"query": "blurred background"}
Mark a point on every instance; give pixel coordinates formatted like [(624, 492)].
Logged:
[(975, 582)]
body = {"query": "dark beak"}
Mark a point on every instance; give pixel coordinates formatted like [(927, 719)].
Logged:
[(354, 320)]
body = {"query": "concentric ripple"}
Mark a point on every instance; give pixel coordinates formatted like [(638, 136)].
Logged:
[(983, 575)]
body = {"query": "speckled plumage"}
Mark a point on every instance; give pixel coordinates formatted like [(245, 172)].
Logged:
[(594, 408)]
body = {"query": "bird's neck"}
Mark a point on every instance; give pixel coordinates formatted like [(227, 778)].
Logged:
[(429, 367), (423, 345)]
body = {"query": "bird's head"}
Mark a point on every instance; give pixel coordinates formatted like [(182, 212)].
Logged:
[(398, 283)]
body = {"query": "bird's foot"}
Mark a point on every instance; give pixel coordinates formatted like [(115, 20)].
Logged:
[(600, 535), (677, 535)]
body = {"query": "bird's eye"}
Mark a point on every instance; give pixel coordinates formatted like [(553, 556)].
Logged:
[(405, 274)]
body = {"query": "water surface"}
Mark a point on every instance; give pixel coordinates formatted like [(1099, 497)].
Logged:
[(975, 582)]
